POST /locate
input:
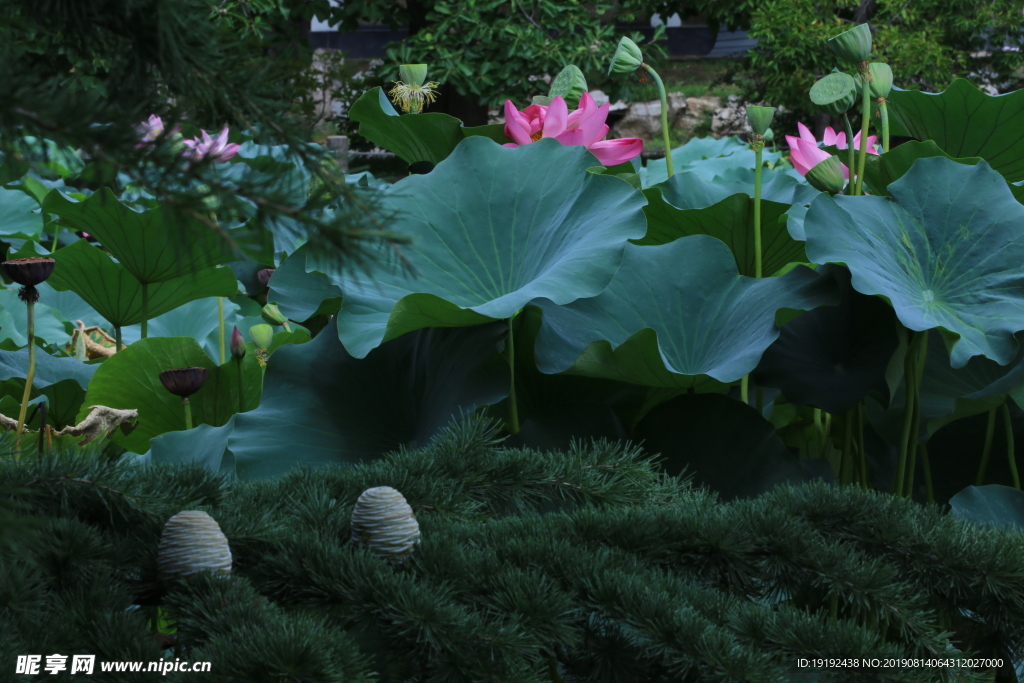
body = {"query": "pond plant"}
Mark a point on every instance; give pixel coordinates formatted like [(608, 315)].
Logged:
[(522, 447)]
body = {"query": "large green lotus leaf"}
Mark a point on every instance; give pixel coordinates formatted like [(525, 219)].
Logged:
[(695, 151), (49, 369), (63, 401), (204, 445), (493, 228), (492, 131), (429, 136), (731, 221), (323, 406), (19, 214), (151, 245), (725, 445), (14, 320), (993, 504), (116, 295), (131, 379), (674, 316), (965, 122), (697, 190), (301, 294), (881, 170), (833, 356), (946, 253)]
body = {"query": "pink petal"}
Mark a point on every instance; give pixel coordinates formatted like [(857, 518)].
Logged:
[(586, 109), (514, 125), (805, 133), (554, 122), (841, 141), (830, 136), (594, 129), (614, 152), (510, 144)]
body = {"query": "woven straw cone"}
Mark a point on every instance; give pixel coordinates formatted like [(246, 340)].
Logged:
[(192, 542), (383, 520)]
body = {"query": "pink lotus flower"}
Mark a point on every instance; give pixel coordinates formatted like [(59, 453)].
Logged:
[(805, 153), (586, 126), (149, 130), (217, 150)]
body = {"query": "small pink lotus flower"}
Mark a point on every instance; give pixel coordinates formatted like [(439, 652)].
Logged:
[(217, 150), (149, 130), (805, 153), (586, 126)]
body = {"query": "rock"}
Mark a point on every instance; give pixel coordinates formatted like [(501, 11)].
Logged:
[(601, 99), (731, 119), (697, 110), (643, 119)]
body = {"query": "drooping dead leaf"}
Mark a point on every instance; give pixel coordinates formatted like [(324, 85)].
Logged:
[(98, 423), (89, 343)]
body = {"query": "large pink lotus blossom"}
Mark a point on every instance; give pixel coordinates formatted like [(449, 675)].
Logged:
[(586, 126), (217, 150), (149, 130), (805, 153)]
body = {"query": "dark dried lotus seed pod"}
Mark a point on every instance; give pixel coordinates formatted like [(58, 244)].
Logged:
[(383, 520), (184, 382), (29, 271), (192, 542), (264, 275)]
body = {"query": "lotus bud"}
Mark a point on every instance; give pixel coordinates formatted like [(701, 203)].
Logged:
[(627, 57), (827, 176), (835, 94), (192, 542), (383, 520), (184, 382), (413, 74), (881, 79), (569, 84), (237, 344), (261, 335), (760, 118), (264, 276), (29, 272), (273, 315), (854, 45)]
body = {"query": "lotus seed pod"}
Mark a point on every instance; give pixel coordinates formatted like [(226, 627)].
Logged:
[(184, 382), (827, 176), (569, 84), (413, 74), (383, 520), (760, 118), (627, 57), (835, 94), (262, 335), (854, 45), (264, 276), (273, 315), (192, 542), (881, 79)]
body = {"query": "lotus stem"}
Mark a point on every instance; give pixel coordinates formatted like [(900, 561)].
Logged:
[(220, 315), (745, 389), (241, 396), (513, 408), (1009, 445), (850, 151), (884, 111), (758, 150), (989, 431), (927, 474), (865, 126), (910, 380), (31, 375), (188, 412), (56, 234), (145, 309), (664, 118), (117, 338)]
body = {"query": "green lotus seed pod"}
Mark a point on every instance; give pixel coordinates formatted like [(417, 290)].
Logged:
[(854, 45), (413, 74), (569, 84), (881, 79), (192, 542), (627, 57), (827, 176), (383, 521), (273, 315), (760, 118), (835, 94), (261, 335)]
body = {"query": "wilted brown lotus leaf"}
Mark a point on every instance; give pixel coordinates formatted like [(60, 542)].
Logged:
[(97, 423)]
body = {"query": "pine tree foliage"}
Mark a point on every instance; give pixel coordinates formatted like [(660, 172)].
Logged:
[(585, 565), (84, 74)]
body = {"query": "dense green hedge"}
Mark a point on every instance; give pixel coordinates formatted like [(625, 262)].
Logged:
[(586, 565)]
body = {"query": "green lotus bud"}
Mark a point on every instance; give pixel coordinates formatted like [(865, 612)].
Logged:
[(854, 45), (835, 94), (760, 118), (827, 176), (881, 79), (273, 315), (192, 542), (569, 84), (627, 57), (413, 74), (261, 335), (383, 520)]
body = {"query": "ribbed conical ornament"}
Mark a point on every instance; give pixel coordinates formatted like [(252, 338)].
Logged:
[(383, 520), (192, 542)]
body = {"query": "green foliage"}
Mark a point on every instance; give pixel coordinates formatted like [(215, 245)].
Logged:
[(586, 562), (927, 44)]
